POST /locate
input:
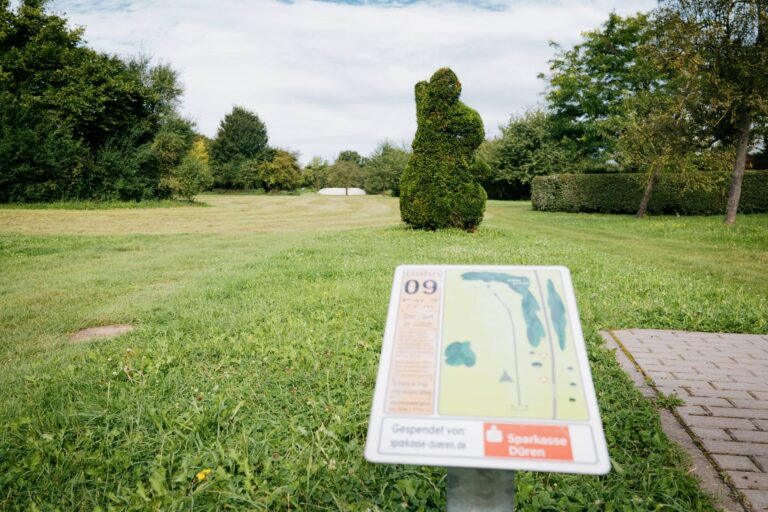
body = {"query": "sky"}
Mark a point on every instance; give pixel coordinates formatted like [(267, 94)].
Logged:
[(327, 76)]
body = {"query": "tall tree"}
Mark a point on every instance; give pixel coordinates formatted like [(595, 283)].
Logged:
[(351, 156), (75, 123), (525, 149), (316, 173), (588, 84), (384, 167), (241, 136), (345, 174), (663, 129), (729, 41), (657, 135)]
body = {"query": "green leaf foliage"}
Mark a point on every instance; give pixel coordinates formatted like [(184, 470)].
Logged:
[(351, 156), (315, 173), (439, 188), (75, 123), (345, 174), (189, 178), (280, 173), (384, 169), (588, 84), (525, 149), (241, 136), (702, 193), (728, 42)]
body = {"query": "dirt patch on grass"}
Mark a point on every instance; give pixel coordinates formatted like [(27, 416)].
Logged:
[(101, 332)]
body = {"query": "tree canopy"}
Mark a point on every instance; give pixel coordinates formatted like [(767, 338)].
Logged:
[(76, 123), (384, 168), (344, 174), (241, 137), (525, 149), (728, 41), (282, 172), (589, 83)]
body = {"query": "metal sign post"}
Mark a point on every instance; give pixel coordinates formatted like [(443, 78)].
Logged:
[(484, 370), (480, 490)]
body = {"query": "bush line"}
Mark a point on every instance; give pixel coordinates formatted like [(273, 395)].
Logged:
[(700, 193)]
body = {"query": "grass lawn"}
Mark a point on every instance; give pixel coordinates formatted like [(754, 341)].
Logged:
[(258, 327), (100, 205)]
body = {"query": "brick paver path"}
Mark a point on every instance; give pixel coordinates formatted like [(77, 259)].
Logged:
[(723, 380)]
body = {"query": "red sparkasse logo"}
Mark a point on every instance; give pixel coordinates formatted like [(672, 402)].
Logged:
[(545, 442)]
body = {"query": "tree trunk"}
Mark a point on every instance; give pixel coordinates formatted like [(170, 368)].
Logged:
[(641, 211), (734, 193)]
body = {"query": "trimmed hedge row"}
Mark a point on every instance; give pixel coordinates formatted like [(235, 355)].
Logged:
[(621, 193)]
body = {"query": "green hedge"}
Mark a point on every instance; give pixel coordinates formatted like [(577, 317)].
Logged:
[(621, 193)]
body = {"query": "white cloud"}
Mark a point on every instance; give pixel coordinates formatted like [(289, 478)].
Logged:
[(330, 76)]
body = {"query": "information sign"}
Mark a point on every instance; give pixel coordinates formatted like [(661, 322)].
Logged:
[(485, 367)]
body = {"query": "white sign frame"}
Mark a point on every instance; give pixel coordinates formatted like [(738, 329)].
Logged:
[(463, 440)]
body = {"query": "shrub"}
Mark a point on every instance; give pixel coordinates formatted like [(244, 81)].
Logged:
[(189, 178), (281, 173), (245, 174), (438, 188), (700, 193)]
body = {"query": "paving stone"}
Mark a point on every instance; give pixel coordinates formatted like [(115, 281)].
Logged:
[(692, 410), (758, 499), (664, 375), (738, 412), (667, 349), (671, 367), (707, 400), (762, 463), (716, 434), (709, 359), (716, 422), (749, 404), (741, 366), (698, 377), (670, 390), (735, 462), (726, 372), (736, 448), (758, 379), (641, 360), (679, 383), (749, 480), (639, 348), (745, 386), (718, 393), (754, 436)]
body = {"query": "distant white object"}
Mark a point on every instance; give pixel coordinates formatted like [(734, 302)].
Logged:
[(351, 191)]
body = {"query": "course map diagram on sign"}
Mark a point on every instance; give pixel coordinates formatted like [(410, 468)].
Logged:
[(508, 351)]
